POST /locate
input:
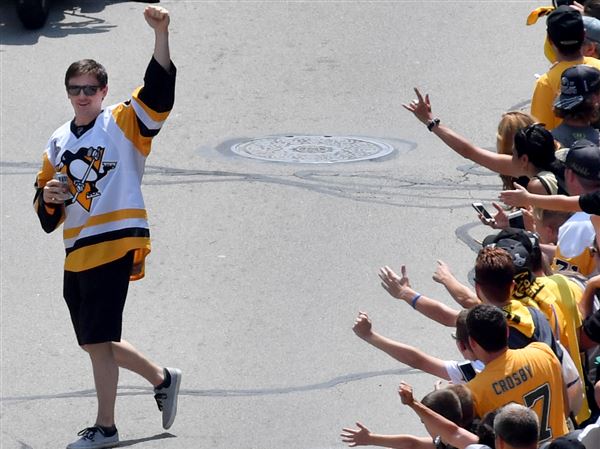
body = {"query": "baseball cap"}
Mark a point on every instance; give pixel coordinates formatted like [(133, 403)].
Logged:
[(576, 83), (592, 28), (523, 247), (566, 442), (565, 27), (519, 254), (583, 158), (528, 239)]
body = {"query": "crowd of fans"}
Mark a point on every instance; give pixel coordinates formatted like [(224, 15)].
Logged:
[(529, 331)]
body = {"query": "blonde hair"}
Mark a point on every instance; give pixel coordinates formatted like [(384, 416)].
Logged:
[(508, 126)]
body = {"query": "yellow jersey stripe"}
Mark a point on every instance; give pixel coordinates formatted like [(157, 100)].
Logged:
[(105, 218), (124, 116), (153, 115), (104, 252)]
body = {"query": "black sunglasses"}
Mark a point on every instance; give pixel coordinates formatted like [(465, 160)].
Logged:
[(88, 91)]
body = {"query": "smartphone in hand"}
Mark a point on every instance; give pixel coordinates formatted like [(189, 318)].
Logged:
[(515, 220), (483, 211)]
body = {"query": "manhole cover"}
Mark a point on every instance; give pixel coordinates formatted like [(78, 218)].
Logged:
[(312, 149)]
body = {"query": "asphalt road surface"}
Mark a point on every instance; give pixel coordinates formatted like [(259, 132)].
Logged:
[(259, 268)]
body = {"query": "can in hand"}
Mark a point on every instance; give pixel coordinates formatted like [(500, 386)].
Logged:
[(64, 180)]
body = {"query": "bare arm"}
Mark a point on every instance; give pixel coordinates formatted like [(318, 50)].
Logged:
[(461, 293), (499, 163), (549, 250), (536, 187), (520, 197), (158, 19), (406, 354), (399, 287), (435, 423), (363, 437)]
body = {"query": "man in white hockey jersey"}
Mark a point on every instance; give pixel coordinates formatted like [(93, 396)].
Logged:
[(90, 182)]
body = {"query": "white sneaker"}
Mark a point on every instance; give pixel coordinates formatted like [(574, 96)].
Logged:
[(94, 438), (166, 398)]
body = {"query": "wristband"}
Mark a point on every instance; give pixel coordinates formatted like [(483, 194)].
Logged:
[(413, 302), (433, 123)]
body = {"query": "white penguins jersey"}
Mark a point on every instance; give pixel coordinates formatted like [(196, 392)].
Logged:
[(105, 217)]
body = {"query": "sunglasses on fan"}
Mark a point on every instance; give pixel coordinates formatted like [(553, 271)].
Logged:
[(88, 90)]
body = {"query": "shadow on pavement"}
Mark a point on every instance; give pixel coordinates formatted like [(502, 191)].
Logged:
[(132, 390), (66, 17), (160, 436)]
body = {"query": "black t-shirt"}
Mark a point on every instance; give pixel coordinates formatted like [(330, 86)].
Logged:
[(590, 202), (591, 326)]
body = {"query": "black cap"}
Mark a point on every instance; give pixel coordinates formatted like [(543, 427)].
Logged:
[(583, 158), (566, 442), (565, 28), (577, 83), (528, 239), (523, 247), (519, 254)]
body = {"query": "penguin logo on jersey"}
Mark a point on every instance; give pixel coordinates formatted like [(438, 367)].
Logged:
[(85, 168)]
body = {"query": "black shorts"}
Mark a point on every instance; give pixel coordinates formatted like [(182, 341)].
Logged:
[(96, 298)]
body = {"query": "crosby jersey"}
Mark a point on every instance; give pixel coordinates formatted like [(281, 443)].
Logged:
[(530, 376), (105, 216)]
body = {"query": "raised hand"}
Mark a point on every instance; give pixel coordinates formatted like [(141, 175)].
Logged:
[(516, 198), (406, 393), (420, 107), (356, 437), (442, 273), (500, 220), (362, 325), (157, 17), (528, 218), (398, 287)]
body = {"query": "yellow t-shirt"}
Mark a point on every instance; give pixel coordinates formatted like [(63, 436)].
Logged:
[(537, 294), (519, 318), (557, 297), (568, 294), (547, 87), (530, 376)]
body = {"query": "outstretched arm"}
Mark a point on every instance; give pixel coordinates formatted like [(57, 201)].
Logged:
[(158, 19), (406, 354), (435, 423), (363, 437), (499, 163), (399, 287), (520, 197), (460, 292)]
